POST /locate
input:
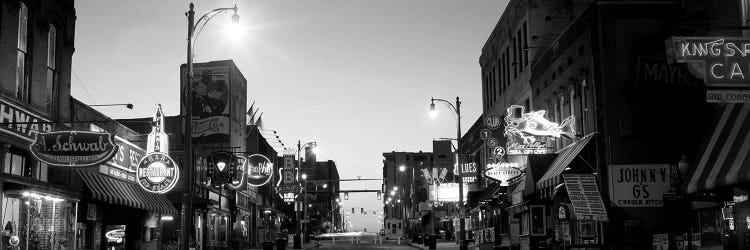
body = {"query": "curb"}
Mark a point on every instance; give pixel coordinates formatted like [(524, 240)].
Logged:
[(414, 246)]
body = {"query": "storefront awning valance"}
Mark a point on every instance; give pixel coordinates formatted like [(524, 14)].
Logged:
[(725, 157), (552, 177), (115, 191)]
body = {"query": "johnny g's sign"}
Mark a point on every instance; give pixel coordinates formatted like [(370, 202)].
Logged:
[(73, 148), (639, 185)]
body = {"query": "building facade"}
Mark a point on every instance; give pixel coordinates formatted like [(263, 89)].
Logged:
[(37, 45), (605, 64)]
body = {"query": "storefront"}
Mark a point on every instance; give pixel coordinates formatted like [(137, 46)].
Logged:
[(717, 188), (121, 215), (37, 220)]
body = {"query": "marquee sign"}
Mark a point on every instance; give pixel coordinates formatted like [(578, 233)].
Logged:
[(73, 148), (526, 132), (502, 172), (157, 172), (448, 192), (288, 185), (260, 170)]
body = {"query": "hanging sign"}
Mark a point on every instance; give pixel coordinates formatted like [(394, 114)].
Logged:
[(527, 132), (73, 148), (288, 185), (492, 121), (260, 170), (585, 197), (157, 172), (468, 172), (222, 167), (725, 58), (502, 172)]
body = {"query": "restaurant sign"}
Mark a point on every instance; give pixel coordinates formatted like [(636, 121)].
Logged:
[(73, 148), (639, 185), (157, 173), (527, 132), (725, 59)]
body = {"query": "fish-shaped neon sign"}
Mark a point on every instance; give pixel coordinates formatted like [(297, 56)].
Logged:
[(533, 124)]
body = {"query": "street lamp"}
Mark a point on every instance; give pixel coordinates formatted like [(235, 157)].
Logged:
[(189, 183), (300, 147), (457, 110), (127, 105)]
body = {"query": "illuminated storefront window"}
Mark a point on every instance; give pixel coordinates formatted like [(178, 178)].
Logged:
[(37, 221), (218, 229)]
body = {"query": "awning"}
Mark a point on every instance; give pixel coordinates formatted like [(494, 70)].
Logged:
[(115, 191), (725, 158), (552, 177)]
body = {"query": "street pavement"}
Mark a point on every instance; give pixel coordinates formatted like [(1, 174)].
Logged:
[(440, 245), (310, 245), (364, 245)]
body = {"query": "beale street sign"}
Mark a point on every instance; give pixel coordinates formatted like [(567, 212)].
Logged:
[(73, 148), (726, 59)]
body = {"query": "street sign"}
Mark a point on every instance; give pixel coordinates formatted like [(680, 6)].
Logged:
[(485, 134), (492, 142), (492, 121), (728, 96)]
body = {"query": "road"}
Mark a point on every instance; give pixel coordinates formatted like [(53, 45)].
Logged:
[(364, 245)]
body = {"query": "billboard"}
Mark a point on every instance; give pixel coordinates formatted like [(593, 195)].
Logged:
[(210, 102)]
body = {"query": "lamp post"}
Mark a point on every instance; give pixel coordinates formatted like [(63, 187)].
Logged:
[(413, 213), (127, 105), (189, 183), (457, 110), (314, 146)]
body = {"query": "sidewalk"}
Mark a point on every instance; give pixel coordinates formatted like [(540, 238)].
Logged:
[(310, 245), (440, 245)]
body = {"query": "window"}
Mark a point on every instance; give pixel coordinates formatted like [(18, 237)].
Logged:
[(538, 223), (571, 98), (22, 85), (519, 52), (51, 67), (507, 66), (515, 58), (526, 45), (745, 12), (501, 69)]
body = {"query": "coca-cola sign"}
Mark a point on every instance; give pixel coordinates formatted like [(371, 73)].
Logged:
[(74, 148)]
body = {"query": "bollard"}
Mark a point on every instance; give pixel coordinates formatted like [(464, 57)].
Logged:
[(333, 241)]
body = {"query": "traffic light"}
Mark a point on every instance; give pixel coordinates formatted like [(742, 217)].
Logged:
[(352, 210), (363, 210)]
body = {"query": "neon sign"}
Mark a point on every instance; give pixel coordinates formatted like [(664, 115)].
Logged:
[(726, 59), (526, 131), (260, 170), (502, 172), (116, 235), (74, 148), (157, 172)]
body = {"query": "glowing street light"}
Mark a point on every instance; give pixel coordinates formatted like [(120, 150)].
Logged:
[(433, 112), (304, 176), (402, 168)]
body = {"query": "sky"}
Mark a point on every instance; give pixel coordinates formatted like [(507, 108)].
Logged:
[(355, 76)]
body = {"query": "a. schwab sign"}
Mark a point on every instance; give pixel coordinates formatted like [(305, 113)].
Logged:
[(639, 185)]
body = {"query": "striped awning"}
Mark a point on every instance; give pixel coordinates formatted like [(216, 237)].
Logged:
[(725, 158), (552, 177), (116, 191)]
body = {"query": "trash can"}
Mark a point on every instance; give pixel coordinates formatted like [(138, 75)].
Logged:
[(297, 242), (267, 245), (433, 242), (281, 243)]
